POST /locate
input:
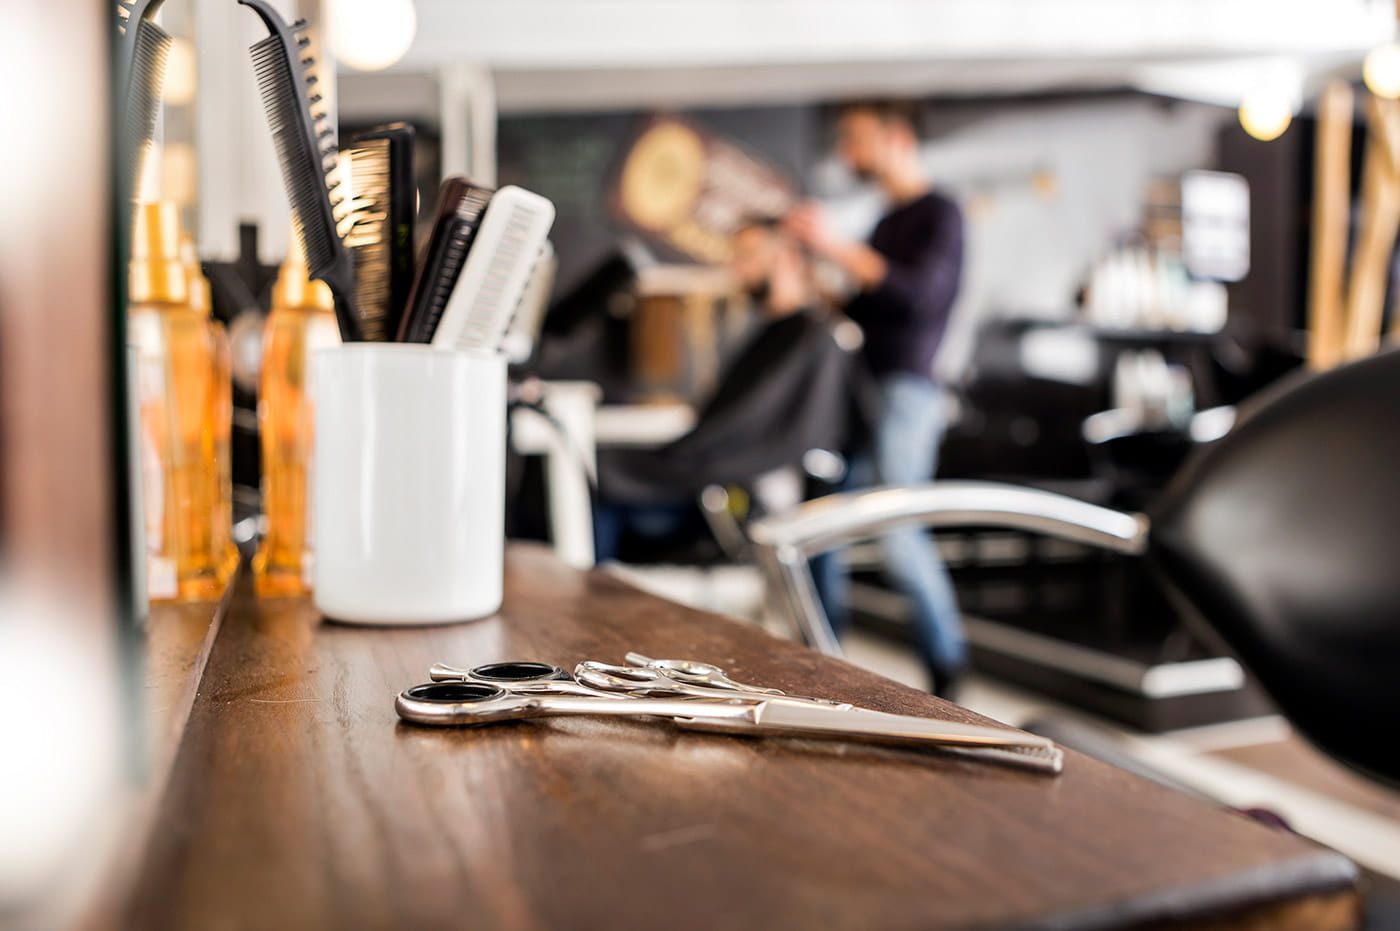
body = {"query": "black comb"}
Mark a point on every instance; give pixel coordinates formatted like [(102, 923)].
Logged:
[(142, 54), (383, 195), (460, 208), (306, 150)]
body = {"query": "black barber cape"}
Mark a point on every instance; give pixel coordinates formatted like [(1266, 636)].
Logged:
[(791, 389)]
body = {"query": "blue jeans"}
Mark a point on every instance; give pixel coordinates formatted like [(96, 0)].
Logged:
[(904, 451), (613, 521)]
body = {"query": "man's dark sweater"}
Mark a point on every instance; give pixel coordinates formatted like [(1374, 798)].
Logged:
[(905, 316)]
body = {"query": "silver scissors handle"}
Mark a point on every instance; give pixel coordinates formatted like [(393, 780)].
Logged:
[(696, 675), (634, 680), (601, 680), (695, 672), (519, 677), (463, 703)]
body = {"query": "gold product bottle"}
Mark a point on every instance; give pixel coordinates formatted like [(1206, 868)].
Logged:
[(302, 321), (221, 414), (176, 365)]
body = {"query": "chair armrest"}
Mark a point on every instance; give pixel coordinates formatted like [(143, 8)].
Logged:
[(784, 543), (833, 521)]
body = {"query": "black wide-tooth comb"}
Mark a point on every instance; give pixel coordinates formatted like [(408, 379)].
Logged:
[(383, 198), (306, 150), (461, 205), (142, 54)]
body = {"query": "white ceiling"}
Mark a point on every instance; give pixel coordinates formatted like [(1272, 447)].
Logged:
[(571, 54)]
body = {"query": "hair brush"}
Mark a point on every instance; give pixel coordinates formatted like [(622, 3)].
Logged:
[(383, 195), (142, 53), (305, 145)]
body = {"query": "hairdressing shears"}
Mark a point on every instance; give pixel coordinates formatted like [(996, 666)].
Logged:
[(515, 691)]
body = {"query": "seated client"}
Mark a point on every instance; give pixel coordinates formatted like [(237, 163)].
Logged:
[(792, 388)]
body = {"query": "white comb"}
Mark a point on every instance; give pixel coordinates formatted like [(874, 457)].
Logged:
[(502, 257)]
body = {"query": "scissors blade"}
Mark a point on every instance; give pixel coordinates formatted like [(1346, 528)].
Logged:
[(864, 723)]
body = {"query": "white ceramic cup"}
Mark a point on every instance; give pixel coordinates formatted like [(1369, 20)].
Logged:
[(408, 484)]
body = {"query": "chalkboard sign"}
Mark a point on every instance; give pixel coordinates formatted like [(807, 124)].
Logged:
[(576, 160)]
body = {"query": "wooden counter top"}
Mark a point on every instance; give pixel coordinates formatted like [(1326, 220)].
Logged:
[(298, 800)]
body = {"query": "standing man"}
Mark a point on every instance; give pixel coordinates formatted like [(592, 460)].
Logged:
[(907, 275)]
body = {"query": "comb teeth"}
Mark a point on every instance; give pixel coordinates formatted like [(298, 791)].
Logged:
[(469, 210), (303, 177), (368, 187), (309, 173), (141, 103), (473, 204), (493, 296), (441, 270), (365, 225), (321, 126), (1046, 759)]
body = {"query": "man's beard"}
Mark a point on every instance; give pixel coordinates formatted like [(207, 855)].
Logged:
[(759, 292), (865, 173)]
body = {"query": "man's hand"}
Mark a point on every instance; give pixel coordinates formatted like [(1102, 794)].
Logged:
[(810, 225)]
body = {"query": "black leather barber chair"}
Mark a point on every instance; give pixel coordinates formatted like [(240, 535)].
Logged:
[(1283, 537)]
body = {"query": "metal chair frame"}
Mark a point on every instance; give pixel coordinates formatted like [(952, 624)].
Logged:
[(784, 544)]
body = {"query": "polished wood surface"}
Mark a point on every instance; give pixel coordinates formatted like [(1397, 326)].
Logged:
[(299, 801), (178, 640)]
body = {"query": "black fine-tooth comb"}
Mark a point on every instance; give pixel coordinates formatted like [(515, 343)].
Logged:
[(142, 54), (383, 198), (306, 151), (461, 205)]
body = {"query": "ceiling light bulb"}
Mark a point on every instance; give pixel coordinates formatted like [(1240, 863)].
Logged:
[(1265, 114), (1382, 70), (371, 35)]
